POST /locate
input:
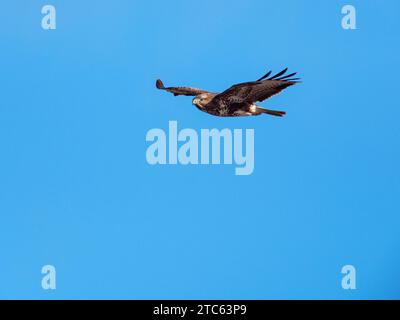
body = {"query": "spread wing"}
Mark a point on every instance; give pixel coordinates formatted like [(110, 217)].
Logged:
[(179, 91), (254, 91)]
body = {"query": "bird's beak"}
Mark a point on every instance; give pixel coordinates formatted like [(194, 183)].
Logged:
[(195, 100)]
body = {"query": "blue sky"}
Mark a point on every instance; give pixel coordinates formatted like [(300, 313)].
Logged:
[(76, 191)]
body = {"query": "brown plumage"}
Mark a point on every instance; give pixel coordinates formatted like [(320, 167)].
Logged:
[(238, 100)]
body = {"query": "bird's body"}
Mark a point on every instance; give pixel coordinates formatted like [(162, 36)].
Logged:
[(240, 99)]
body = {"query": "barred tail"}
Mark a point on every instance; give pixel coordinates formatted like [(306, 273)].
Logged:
[(271, 112)]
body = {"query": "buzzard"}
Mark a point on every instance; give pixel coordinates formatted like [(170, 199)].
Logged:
[(240, 99)]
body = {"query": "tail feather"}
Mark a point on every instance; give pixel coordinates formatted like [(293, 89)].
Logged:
[(271, 112)]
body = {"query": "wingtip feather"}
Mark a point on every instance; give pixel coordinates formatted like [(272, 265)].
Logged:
[(159, 84), (265, 76), (278, 74)]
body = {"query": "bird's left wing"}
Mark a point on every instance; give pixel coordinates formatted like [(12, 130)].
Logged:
[(180, 91), (260, 90)]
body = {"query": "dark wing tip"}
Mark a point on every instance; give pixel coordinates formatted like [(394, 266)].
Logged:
[(159, 84), (289, 76), (278, 74), (282, 77), (265, 76), (294, 80)]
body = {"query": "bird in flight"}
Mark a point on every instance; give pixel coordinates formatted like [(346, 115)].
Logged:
[(240, 99)]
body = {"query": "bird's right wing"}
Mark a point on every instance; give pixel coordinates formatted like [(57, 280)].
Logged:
[(180, 91)]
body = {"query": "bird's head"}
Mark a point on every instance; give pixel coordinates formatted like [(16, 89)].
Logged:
[(202, 100)]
